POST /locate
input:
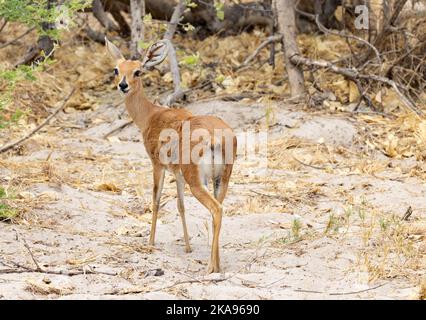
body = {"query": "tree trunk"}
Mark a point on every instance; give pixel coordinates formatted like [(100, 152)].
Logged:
[(100, 14), (287, 25), (174, 64), (137, 10), (115, 7), (175, 19)]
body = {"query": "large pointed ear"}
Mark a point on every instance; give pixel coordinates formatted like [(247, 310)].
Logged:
[(113, 50), (156, 54)]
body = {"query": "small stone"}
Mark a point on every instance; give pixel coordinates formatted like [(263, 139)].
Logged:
[(46, 280)]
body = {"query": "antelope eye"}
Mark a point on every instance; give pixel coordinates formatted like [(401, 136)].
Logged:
[(115, 71), (137, 73)]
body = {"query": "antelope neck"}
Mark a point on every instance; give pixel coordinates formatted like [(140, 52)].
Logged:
[(139, 107)]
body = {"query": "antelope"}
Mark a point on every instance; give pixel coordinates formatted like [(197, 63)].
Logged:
[(153, 120)]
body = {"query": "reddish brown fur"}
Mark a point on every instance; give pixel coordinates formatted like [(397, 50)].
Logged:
[(152, 119)]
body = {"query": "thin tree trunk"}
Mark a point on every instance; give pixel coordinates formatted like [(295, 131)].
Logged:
[(287, 25), (115, 10), (174, 65), (137, 10), (174, 21), (100, 14)]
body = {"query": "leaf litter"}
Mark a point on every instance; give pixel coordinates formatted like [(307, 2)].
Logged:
[(302, 188)]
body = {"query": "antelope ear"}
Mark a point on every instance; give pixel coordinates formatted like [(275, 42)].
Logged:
[(156, 54), (113, 50)]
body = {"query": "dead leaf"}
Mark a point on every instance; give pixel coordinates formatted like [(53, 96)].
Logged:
[(108, 187)]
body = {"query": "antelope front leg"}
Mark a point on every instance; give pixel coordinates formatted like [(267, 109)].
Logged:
[(158, 175), (180, 185)]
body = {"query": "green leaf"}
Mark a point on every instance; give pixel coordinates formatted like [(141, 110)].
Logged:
[(220, 13), (144, 45), (147, 18), (190, 4), (7, 213), (191, 60), (188, 27), (2, 192)]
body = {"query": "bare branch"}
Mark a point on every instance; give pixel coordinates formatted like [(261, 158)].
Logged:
[(16, 39), (264, 44), (174, 65), (46, 121), (3, 25), (100, 14), (353, 73)]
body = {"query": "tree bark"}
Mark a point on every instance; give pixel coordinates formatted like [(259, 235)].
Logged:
[(175, 19), (238, 17), (287, 25), (115, 8), (137, 10), (100, 14), (174, 65)]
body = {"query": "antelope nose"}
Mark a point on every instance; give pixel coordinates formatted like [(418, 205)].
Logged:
[(123, 85)]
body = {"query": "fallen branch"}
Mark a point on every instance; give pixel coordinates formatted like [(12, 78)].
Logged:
[(269, 40), (145, 290), (4, 45), (354, 74), (118, 128), (3, 25), (25, 269), (29, 250), (356, 292), (308, 165), (46, 121)]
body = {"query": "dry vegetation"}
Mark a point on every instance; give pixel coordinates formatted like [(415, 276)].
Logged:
[(390, 146)]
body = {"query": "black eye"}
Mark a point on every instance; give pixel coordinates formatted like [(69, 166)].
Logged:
[(137, 73), (115, 71)]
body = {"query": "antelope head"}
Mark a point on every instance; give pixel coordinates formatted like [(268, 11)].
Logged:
[(128, 72)]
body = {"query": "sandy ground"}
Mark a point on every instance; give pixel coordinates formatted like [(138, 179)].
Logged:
[(86, 228)]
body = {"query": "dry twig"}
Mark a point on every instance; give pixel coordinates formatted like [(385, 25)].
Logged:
[(3, 45), (354, 74), (3, 25), (118, 128), (256, 52), (46, 121)]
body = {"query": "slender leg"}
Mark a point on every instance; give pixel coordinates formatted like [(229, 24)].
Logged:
[(156, 196), (202, 195), (180, 185)]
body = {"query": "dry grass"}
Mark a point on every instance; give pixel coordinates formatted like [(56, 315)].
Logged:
[(45, 288), (388, 247)]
